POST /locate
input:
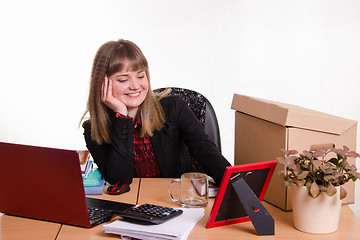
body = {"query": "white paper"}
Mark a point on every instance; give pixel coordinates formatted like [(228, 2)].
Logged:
[(176, 228)]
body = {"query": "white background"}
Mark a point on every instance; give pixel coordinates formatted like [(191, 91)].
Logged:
[(300, 52)]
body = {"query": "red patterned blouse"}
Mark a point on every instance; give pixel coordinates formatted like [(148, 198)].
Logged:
[(145, 162)]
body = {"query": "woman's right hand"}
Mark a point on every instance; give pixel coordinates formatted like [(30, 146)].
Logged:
[(109, 100)]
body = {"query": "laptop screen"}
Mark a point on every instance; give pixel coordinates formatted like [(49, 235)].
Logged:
[(42, 183)]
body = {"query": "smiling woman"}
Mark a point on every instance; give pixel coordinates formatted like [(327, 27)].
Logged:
[(120, 69), (124, 91), (134, 133)]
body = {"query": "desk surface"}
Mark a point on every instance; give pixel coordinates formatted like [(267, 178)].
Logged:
[(349, 227), (14, 228), (150, 190)]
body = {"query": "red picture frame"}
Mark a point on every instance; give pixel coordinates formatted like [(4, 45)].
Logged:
[(227, 208)]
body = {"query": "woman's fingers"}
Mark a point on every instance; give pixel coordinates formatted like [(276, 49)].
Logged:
[(109, 88), (104, 89), (109, 100)]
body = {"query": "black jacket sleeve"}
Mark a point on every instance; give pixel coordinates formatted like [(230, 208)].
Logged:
[(183, 126), (115, 160), (203, 150)]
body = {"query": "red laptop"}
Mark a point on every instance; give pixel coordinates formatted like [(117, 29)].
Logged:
[(46, 183)]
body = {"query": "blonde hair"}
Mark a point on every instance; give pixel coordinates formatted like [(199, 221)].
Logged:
[(112, 57)]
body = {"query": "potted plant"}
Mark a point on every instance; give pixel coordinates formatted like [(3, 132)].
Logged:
[(315, 179)]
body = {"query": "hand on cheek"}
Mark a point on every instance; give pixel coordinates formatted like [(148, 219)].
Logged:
[(109, 100)]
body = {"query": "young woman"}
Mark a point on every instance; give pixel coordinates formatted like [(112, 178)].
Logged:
[(134, 133)]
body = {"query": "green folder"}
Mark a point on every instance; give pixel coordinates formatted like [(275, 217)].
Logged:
[(93, 179)]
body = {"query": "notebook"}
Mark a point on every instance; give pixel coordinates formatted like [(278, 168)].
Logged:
[(46, 184)]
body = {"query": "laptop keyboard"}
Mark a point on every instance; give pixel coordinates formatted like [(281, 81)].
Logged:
[(96, 213)]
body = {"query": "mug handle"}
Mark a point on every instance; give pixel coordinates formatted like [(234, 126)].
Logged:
[(171, 196)]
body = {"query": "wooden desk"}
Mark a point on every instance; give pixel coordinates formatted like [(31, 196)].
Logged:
[(14, 228), (156, 191)]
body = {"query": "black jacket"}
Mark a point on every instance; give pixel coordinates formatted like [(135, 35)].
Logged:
[(115, 161)]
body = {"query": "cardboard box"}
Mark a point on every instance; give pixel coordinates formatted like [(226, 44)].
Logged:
[(263, 127)]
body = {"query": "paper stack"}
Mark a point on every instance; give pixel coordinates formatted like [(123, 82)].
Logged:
[(176, 228)]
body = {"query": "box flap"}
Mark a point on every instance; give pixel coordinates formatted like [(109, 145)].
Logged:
[(290, 115)]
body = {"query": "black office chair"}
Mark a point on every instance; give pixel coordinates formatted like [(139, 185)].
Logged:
[(205, 113)]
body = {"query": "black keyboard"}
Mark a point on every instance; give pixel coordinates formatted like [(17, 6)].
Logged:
[(150, 213), (98, 215)]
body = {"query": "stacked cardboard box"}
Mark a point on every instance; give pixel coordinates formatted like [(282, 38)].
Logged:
[(263, 127)]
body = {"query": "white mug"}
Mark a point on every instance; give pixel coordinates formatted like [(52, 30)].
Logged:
[(194, 190)]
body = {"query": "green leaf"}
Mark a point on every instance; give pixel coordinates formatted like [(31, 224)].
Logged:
[(320, 153), (307, 154), (314, 190), (335, 181), (287, 183), (293, 152), (331, 190), (353, 154), (300, 183), (327, 178), (336, 175), (317, 164), (289, 152), (303, 175), (329, 169), (344, 163), (281, 160), (292, 166), (343, 193), (322, 188)]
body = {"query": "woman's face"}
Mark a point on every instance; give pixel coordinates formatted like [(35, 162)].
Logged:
[(130, 87)]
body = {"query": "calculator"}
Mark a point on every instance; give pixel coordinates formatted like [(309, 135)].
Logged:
[(149, 213)]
